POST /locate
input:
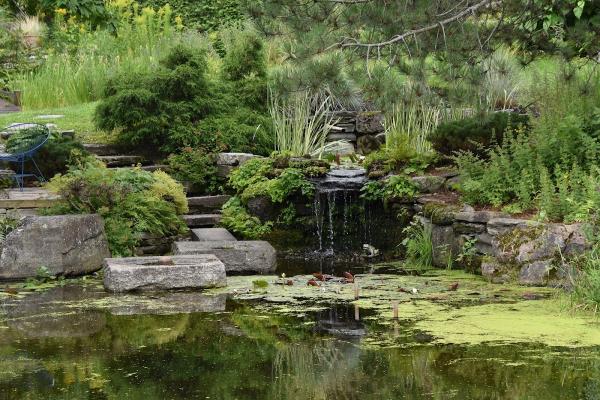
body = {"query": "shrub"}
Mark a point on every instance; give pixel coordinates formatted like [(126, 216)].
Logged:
[(195, 167), (237, 219), (475, 133), (131, 201)]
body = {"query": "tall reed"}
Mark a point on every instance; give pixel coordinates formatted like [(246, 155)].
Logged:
[(408, 126), (74, 76), (301, 128)]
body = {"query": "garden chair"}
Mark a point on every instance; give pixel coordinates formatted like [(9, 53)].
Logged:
[(26, 152)]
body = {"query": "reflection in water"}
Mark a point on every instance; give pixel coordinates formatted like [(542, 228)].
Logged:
[(155, 352)]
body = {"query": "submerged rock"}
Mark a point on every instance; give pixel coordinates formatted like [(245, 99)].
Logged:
[(63, 244)]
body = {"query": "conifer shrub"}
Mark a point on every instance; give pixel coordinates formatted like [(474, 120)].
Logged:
[(180, 106), (131, 201), (475, 133)]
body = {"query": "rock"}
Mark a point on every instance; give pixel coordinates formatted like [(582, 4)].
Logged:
[(467, 228), (544, 246), (342, 149), (576, 242), (445, 246), (349, 137), (500, 226), (121, 161), (163, 273), (212, 235), (381, 138), (368, 123), (367, 144), (536, 273), (234, 159), (64, 244), (242, 256), (428, 183), (343, 179), (201, 204), (452, 183), (346, 128), (479, 217), (201, 220), (493, 271), (102, 149), (263, 208)]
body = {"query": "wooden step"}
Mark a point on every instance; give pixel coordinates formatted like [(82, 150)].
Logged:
[(202, 220), (121, 161), (199, 204)]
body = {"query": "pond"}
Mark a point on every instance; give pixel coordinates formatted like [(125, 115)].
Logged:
[(74, 341)]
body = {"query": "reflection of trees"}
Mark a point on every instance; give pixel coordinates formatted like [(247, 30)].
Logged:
[(327, 369)]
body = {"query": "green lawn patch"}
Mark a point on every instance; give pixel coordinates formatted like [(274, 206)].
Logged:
[(78, 118)]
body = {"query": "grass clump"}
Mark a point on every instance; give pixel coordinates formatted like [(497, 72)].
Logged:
[(418, 244), (238, 220)]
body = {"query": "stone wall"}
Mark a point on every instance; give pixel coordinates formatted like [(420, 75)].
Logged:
[(363, 129), (502, 248)]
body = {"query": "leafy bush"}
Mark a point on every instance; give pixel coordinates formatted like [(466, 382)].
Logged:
[(131, 201), (237, 219), (552, 169), (203, 15), (195, 167), (475, 133), (396, 187), (178, 106)]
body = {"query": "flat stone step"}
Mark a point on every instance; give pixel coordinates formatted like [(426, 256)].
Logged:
[(101, 149), (212, 235), (121, 161), (37, 203), (201, 220), (255, 256), (163, 273), (207, 203)]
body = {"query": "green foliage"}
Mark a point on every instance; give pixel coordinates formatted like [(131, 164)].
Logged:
[(301, 124), (252, 172), (131, 201), (474, 133), (26, 139), (93, 12), (396, 187), (203, 15), (80, 61), (418, 244), (55, 156), (278, 189), (237, 219), (178, 106), (245, 57), (7, 225), (553, 169), (196, 167)]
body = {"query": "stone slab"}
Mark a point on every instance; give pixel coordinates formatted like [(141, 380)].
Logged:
[(121, 161), (212, 235), (201, 220), (63, 244), (479, 217), (234, 159), (163, 273), (255, 256), (207, 203)]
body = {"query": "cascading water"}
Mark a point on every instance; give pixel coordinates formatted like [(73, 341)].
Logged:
[(336, 194)]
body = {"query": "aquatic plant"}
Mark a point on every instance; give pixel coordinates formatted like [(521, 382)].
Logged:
[(418, 244)]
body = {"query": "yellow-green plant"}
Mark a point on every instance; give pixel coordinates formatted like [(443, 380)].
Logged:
[(301, 129)]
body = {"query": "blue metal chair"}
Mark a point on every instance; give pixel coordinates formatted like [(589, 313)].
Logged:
[(24, 155)]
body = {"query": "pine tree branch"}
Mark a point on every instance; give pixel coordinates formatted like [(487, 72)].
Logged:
[(350, 42)]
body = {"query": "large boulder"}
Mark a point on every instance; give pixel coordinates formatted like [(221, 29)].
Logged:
[(163, 273), (63, 244), (254, 256)]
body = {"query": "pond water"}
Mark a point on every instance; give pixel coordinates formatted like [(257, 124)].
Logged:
[(76, 342)]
